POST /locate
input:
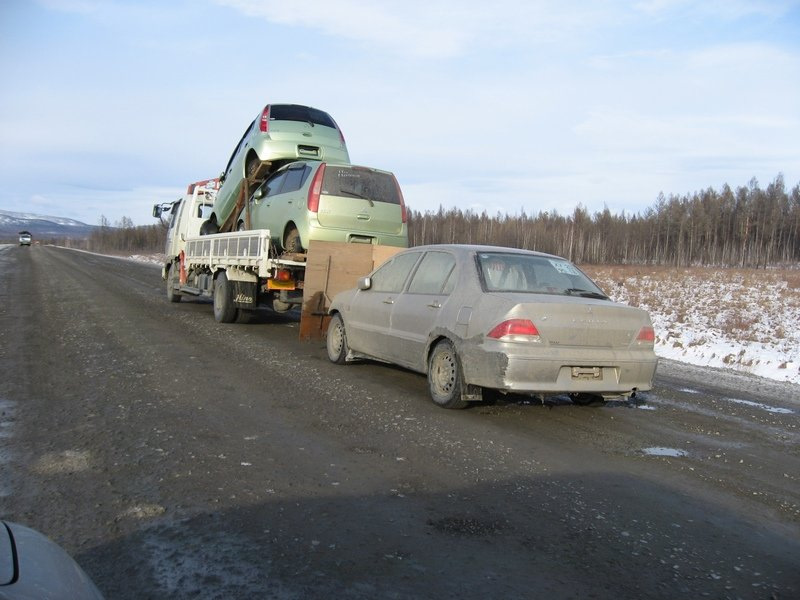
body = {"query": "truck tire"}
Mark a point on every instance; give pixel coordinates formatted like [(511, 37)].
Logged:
[(172, 282), (224, 309)]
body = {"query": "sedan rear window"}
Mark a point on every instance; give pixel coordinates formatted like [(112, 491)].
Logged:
[(354, 182), (501, 272), (305, 114)]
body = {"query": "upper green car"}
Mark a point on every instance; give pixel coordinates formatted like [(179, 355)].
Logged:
[(313, 200), (281, 133)]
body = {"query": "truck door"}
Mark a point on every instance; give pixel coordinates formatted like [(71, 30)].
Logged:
[(171, 248)]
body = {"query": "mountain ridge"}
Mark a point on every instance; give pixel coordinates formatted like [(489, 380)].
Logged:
[(42, 226)]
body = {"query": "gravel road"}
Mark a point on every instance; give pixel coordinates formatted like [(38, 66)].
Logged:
[(175, 457)]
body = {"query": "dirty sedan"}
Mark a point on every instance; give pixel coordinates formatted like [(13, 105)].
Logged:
[(484, 317)]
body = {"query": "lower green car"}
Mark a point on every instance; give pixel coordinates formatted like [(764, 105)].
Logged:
[(313, 200)]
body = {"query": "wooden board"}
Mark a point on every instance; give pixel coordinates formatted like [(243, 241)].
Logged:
[(332, 267)]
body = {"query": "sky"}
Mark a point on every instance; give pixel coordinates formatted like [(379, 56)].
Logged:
[(108, 107)]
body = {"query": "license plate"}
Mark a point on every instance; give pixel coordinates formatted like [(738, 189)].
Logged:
[(587, 372)]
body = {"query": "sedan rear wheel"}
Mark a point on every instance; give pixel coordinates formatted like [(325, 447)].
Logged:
[(445, 379), (337, 341)]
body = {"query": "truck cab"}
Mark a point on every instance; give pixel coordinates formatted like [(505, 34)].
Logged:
[(185, 216), (25, 238)]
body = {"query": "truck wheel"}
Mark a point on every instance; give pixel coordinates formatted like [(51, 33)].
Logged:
[(224, 309), (292, 241), (445, 378), (337, 340), (172, 283)]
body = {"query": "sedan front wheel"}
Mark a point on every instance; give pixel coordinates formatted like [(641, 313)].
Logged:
[(337, 340)]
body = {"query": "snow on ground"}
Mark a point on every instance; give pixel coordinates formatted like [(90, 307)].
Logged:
[(156, 259), (741, 320)]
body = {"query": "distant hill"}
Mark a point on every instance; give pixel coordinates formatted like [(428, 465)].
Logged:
[(41, 226)]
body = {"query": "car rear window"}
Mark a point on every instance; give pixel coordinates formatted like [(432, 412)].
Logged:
[(296, 112), (360, 183), (504, 272)]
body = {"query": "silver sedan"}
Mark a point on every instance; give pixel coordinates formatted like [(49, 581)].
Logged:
[(484, 317)]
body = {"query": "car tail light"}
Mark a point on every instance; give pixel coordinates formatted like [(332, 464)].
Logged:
[(402, 201), (515, 330), (316, 189), (263, 122), (647, 335)]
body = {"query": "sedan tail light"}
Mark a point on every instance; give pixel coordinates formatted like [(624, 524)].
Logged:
[(263, 122), (316, 189), (647, 336), (515, 330)]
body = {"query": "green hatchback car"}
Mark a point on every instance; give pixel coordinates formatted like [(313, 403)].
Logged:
[(281, 133), (315, 200)]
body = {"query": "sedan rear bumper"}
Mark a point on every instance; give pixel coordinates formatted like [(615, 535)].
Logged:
[(578, 370)]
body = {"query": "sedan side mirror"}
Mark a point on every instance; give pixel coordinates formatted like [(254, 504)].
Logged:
[(365, 283)]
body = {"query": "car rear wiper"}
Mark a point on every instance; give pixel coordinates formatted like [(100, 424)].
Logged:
[(357, 195), (585, 293)]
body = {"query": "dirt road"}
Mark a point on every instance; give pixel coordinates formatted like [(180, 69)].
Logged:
[(174, 457)]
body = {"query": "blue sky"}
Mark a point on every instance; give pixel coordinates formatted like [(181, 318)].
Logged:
[(108, 107)]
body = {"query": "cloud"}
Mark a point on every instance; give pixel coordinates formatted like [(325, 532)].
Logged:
[(720, 9), (438, 29), (397, 27)]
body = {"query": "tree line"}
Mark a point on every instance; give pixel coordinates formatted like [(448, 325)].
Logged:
[(745, 227)]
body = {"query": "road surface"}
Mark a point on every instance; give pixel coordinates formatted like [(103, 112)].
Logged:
[(175, 457)]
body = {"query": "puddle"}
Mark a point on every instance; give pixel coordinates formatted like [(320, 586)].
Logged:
[(766, 407), (660, 451)]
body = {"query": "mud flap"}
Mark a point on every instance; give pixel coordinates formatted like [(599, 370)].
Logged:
[(244, 294), (472, 393)]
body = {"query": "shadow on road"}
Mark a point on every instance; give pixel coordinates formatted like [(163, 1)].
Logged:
[(598, 535)]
